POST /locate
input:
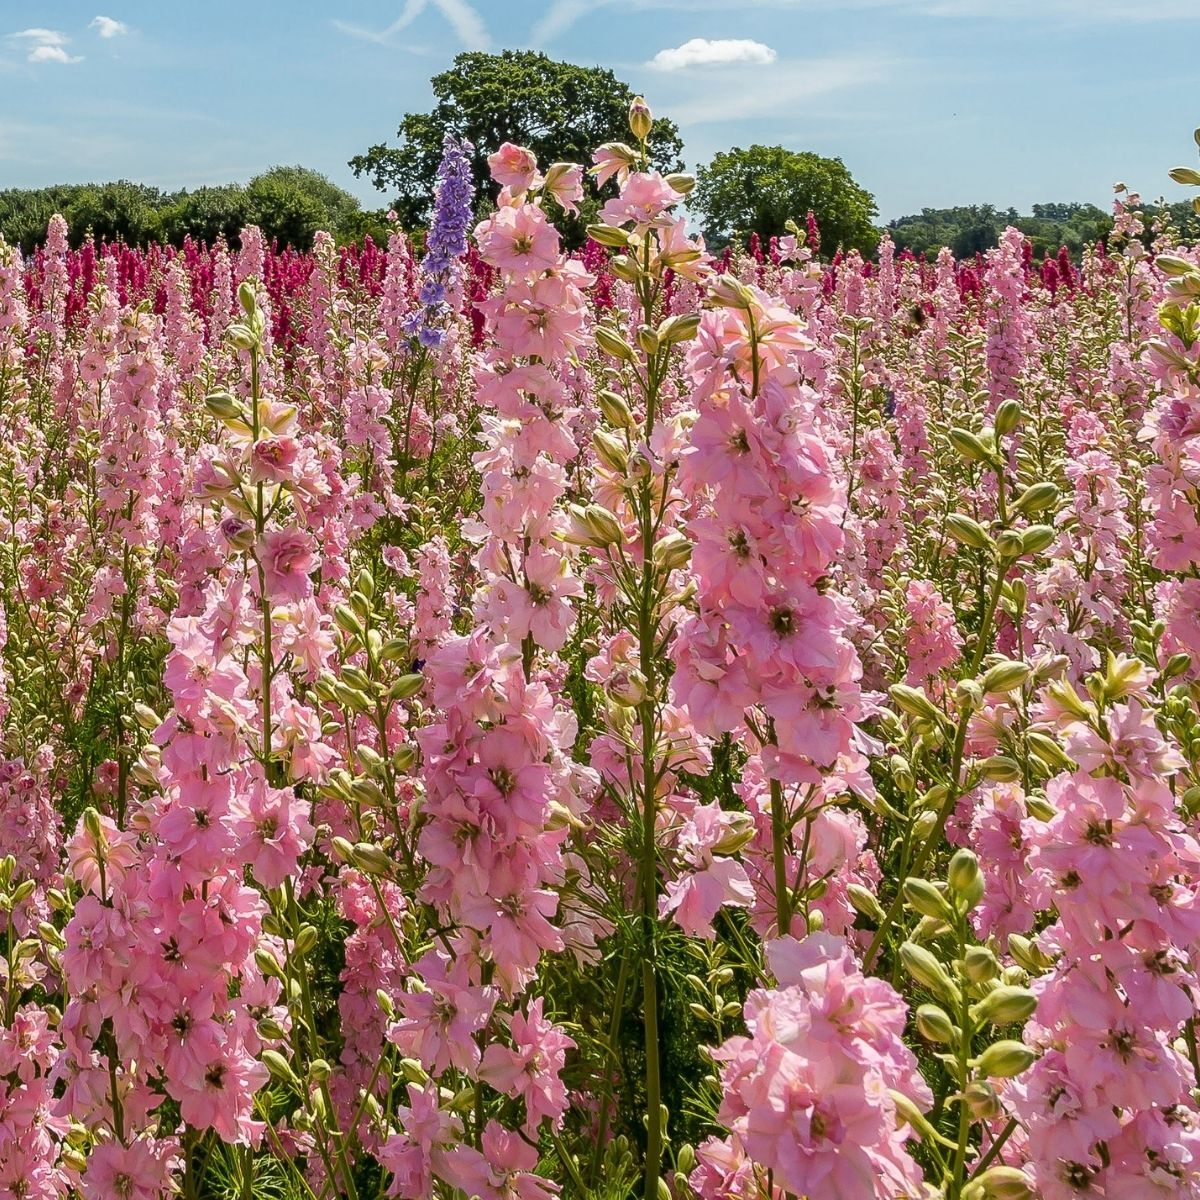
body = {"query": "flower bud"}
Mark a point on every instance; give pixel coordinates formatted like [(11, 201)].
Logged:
[(609, 235), (728, 292), (980, 964), (1001, 769), (371, 859), (222, 405), (279, 1067), (270, 1030), (610, 451), (626, 686), (964, 876), (969, 445), (928, 972), (267, 963), (1037, 538), (967, 532), (927, 900), (864, 901), (91, 822), (672, 551), (407, 686), (641, 119), (1048, 752), (1000, 1183), (1036, 497), (614, 345), (981, 1100), (1004, 1060), (934, 1024), (603, 525), (1009, 544), (242, 336), (615, 411), (1008, 417), (1004, 677), (913, 701), (247, 298), (680, 328), (319, 1070), (1004, 1005), (306, 939)]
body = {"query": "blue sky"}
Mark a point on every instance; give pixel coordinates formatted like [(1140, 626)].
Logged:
[(929, 102)]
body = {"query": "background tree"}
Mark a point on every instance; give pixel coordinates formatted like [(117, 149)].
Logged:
[(760, 189), (561, 111), (207, 214), (971, 229)]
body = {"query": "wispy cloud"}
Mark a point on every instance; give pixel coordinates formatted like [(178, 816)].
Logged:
[(44, 46), (466, 22), (707, 52), (560, 16), (107, 27), (744, 94)]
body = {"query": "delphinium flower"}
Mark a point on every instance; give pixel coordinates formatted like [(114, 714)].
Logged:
[(807, 1094), (1108, 1106)]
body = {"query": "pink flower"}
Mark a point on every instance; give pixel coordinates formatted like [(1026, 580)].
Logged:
[(142, 1170), (531, 1069), (513, 167), (287, 560), (519, 239), (644, 198), (274, 831)]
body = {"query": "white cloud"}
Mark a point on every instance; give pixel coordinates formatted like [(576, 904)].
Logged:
[(107, 27), (462, 17), (705, 52), (44, 46)]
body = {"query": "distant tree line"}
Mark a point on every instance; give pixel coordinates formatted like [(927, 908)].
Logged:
[(972, 229), (289, 204)]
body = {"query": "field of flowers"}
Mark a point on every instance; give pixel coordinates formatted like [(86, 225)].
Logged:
[(499, 723)]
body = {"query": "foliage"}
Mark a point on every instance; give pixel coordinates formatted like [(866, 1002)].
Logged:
[(760, 189), (558, 110)]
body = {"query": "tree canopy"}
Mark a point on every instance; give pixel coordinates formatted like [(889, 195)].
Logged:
[(559, 110), (760, 189), (972, 229), (289, 204)]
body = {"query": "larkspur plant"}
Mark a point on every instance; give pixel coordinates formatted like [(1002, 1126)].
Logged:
[(500, 723)]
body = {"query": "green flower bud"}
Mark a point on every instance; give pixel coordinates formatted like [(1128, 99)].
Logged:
[(407, 686), (969, 445), (927, 900), (980, 964), (963, 873), (934, 1024), (1008, 417), (1004, 677), (306, 939), (928, 972), (371, 859), (615, 411), (614, 345), (279, 1067), (864, 901), (641, 119), (1036, 498), (1037, 538), (913, 701), (1004, 1005), (1003, 1060), (967, 532)]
